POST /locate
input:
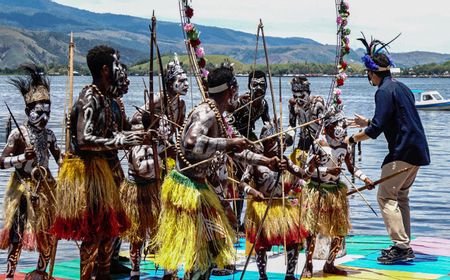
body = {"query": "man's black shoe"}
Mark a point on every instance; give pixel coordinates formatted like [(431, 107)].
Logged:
[(384, 252), (396, 255)]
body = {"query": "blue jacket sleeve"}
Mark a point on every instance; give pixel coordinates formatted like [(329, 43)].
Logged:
[(384, 108)]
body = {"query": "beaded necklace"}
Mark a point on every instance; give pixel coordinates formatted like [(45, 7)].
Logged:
[(109, 121), (222, 131)]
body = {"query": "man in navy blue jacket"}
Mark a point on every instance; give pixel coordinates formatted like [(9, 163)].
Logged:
[(395, 116)]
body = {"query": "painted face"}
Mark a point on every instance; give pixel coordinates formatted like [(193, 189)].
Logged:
[(181, 84), (301, 93), (39, 115), (233, 102), (338, 131), (142, 162), (119, 78), (123, 86), (258, 87)]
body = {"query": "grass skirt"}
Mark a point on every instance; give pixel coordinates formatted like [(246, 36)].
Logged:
[(38, 217), (333, 218), (193, 229), (142, 206), (279, 223), (88, 205)]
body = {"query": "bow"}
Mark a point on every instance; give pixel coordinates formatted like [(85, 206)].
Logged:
[(379, 181)]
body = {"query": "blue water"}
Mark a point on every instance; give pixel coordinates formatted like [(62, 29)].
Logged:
[(430, 199)]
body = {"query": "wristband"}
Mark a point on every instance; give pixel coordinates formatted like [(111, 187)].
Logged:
[(351, 139), (369, 122), (360, 175)]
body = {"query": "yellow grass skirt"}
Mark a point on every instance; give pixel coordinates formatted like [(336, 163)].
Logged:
[(38, 217), (142, 206), (88, 204), (333, 218), (279, 222), (193, 229)]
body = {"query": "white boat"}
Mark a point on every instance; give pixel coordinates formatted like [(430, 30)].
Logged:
[(431, 100)]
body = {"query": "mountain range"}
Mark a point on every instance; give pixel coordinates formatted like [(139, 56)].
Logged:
[(38, 31)]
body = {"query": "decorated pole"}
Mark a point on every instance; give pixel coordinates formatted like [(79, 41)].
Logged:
[(195, 51)]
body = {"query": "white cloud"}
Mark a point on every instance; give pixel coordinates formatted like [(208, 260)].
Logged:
[(424, 24)]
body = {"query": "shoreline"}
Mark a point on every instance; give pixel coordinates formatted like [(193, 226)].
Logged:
[(284, 75)]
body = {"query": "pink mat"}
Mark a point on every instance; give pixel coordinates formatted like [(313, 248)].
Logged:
[(431, 246)]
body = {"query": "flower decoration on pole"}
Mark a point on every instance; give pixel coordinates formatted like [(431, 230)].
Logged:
[(193, 37), (343, 13)]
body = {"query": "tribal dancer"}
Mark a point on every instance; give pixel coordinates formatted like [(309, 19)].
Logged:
[(194, 225), (177, 85), (304, 107), (141, 199), (324, 200), (281, 221), (122, 123), (29, 198), (93, 212), (259, 108)]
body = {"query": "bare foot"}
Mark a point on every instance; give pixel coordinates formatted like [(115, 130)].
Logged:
[(307, 271), (331, 269)]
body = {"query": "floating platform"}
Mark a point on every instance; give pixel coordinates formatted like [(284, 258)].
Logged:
[(432, 262)]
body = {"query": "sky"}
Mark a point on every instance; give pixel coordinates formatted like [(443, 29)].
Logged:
[(425, 25)]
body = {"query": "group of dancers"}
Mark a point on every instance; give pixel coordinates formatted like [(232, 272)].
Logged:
[(182, 169)]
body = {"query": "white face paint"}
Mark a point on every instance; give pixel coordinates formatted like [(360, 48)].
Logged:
[(142, 162), (120, 81), (39, 115), (301, 92), (301, 97), (233, 102), (181, 84), (258, 87), (340, 131)]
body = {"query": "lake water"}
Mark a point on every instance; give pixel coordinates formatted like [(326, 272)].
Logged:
[(430, 199)]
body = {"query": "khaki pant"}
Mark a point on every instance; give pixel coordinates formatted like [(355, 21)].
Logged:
[(394, 202)]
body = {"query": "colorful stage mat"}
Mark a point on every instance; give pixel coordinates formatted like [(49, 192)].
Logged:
[(432, 262)]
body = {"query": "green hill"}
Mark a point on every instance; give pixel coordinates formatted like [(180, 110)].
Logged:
[(38, 31), (142, 68)]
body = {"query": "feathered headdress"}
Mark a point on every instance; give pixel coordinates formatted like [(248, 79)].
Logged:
[(377, 56), (300, 83), (35, 87), (174, 68)]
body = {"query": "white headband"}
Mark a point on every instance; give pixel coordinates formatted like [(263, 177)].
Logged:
[(218, 89)]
